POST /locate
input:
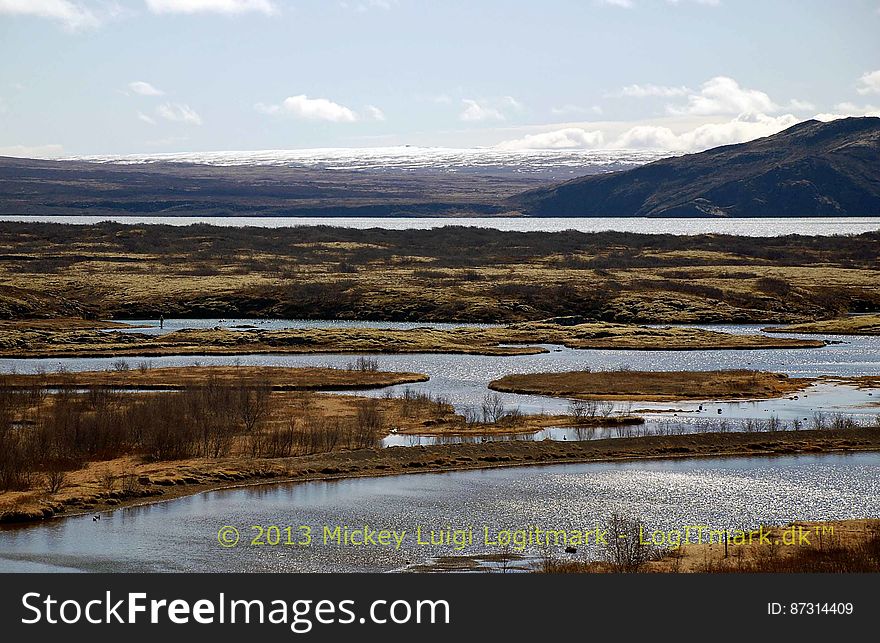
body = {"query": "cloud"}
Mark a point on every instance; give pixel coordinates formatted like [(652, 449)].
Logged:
[(650, 90), (723, 95), (32, 152), (869, 83), (74, 16), (179, 113), (488, 110), (568, 138), (313, 109), (366, 5), (845, 110), (629, 4), (374, 113), (745, 127), (511, 102), (801, 105), (146, 119), (568, 109), (475, 111), (145, 89), (228, 7)]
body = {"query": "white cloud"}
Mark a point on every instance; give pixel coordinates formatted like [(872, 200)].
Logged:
[(374, 113), (74, 16), (801, 105), (845, 110), (629, 4), (568, 138), (229, 7), (179, 113), (314, 109), (475, 111), (649, 90), (568, 109), (32, 152), (723, 95), (869, 83), (146, 119), (366, 5), (510, 101), (145, 89), (745, 127)]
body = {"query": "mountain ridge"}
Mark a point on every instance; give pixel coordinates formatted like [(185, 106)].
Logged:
[(809, 169)]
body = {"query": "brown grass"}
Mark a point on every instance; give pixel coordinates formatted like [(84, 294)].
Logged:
[(20, 340), (450, 274), (855, 325), (653, 386), (839, 546), (170, 378), (165, 480)]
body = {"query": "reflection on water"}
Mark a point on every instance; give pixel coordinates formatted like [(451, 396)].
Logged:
[(462, 379), (181, 535)]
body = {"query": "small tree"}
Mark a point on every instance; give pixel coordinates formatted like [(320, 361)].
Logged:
[(55, 480), (492, 407), (106, 480), (624, 549)]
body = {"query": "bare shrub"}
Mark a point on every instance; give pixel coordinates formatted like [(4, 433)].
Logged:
[(364, 364), (492, 408), (624, 549), (55, 480), (582, 410), (106, 480)]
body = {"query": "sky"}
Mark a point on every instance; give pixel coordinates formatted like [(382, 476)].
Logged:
[(80, 77)]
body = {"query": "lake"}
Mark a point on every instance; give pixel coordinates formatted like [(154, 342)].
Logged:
[(768, 227), (463, 379)]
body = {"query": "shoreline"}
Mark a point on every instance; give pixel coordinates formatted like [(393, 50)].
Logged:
[(377, 462)]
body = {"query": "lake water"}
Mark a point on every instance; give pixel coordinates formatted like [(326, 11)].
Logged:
[(463, 379), (768, 227), (181, 535), (153, 327)]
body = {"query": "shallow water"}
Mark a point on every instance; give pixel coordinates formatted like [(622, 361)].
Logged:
[(463, 379), (181, 535), (768, 227), (153, 326)]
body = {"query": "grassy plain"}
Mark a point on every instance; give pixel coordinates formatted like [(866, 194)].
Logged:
[(449, 274)]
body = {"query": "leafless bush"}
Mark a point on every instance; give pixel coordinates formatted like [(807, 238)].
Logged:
[(606, 408), (582, 410), (492, 408), (625, 550), (364, 364), (106, 480), (55, 480), (252, 403)]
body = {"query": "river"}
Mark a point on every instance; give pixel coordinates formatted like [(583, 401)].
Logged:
[(181, 535)]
